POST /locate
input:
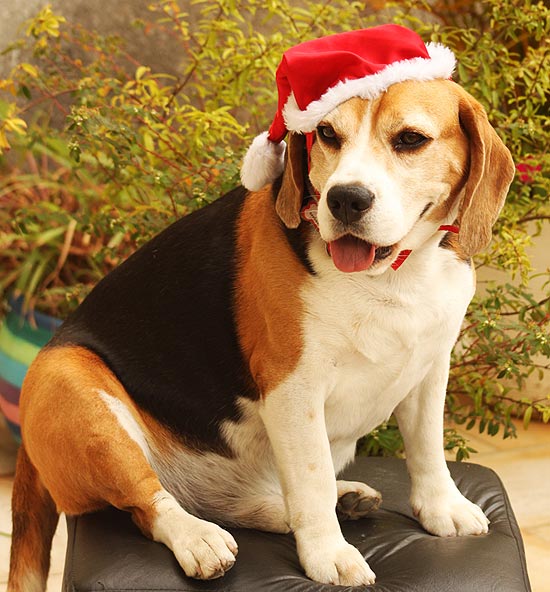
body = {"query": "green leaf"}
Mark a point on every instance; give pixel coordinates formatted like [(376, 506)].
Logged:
[(527, 417)]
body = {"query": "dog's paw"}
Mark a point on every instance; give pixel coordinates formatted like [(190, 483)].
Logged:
[(342, 564), (206, 552), (203, 549), (356, 500), (451, 515)]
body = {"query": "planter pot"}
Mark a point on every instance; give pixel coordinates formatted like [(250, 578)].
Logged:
[(21, 337)]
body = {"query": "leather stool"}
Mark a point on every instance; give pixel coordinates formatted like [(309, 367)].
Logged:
[(107, 552)]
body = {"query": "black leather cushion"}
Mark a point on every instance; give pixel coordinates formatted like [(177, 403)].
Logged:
[(107, 552)]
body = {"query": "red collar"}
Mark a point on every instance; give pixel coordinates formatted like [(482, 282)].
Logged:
[(404, 254), (309, 214)]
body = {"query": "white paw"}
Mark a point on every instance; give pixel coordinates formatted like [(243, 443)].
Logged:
[(336, 564), (451, 515), (203, 549), (205, 553)]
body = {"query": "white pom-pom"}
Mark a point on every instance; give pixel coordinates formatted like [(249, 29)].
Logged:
[(263, 162)]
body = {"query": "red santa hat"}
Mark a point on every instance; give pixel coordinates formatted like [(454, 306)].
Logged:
[(316, 76)]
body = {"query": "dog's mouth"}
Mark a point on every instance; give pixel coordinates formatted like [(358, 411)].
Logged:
[(350, 253)]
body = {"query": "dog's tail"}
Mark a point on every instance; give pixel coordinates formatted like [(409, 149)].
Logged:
[(35, 519)]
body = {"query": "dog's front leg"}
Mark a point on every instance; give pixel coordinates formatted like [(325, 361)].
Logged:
[(295, 423), (441, 508)]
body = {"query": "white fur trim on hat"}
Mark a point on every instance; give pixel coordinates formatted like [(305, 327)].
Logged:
[(263, 162), (441, 64)]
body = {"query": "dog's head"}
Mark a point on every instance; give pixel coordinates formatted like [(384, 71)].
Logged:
[(390, 171)]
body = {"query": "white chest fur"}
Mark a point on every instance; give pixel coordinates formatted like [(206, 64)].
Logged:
[(370, 340)]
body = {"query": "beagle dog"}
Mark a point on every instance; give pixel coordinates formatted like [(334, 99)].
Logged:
[(224, 372)]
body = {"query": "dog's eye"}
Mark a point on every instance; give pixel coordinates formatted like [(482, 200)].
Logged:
[(327, 133), (409, 140)]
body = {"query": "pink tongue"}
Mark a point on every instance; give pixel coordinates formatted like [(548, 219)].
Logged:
[(352, 254)]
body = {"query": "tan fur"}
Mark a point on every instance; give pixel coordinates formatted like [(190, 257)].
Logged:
[(34, 522), (104, 466), (289, 198), (269, 309), (490, 174)]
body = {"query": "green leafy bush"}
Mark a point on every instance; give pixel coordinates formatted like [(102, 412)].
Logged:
[(111, 152), (105, 153)]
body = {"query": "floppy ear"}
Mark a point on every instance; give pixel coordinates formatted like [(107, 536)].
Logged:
[(490, 175), (291, 193)]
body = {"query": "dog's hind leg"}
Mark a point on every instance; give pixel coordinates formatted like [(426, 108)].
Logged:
[(88, 444), (34, 518)]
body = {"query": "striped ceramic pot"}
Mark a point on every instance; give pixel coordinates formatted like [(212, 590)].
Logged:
[(21, 337)]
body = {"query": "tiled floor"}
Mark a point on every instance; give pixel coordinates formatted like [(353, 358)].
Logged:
[(522, 464)]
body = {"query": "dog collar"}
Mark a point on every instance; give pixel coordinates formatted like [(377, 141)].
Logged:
[(401, 258), (308, 213)]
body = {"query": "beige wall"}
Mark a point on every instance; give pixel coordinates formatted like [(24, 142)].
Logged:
[(106, 16)]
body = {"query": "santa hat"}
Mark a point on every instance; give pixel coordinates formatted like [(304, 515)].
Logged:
[(316, 76)]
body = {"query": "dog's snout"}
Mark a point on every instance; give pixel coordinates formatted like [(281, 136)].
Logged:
[(348, 203)]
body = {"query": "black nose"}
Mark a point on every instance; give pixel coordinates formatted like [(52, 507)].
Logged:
[(348, 203)]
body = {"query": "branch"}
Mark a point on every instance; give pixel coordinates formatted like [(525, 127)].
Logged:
[(532, 219), (532, 307)]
